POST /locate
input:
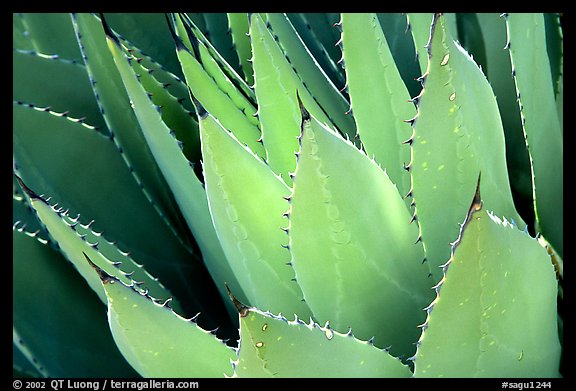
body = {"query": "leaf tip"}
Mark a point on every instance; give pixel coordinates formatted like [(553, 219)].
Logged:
[(108, 31), (242, 309), (104, 277), (303, 112), (31, 193)]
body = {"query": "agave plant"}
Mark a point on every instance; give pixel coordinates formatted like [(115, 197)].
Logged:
[(287, 195)]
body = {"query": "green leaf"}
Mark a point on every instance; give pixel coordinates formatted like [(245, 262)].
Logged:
[(185, 185), (378, 96), (51, 158), (239, 26), (67, 89), (22, 360), (217, 101), (539, 113), (23, 213), (247, 204), (59, 325), (20, 36), (399, 38), (156, 341), (313, 77), (497, 278), (312, 29), (218, 32), (147, 31), (217, 68), (122, 123), (272, 346), (470, 38), (174, 115), (420, 26), (555, 48), (354, 248), (76, 239), (276, 85), (457, 133), (51, 34), (173, 83), (499, 73)]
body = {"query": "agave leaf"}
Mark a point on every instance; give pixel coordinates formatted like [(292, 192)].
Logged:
[(312, 30), (217, 67), (325, 28), (497, 278), (560, 104), (278, 88), (51, 158), (66, 89), (275, 85), (378, 96), (173, 83), (420, 26), (218, 33), (217, 101), (122, 122), (239, 27), (76, 239), (22, 360), (23, 213), (156, 341), (353, 245), (247, 206), (457, 133), (272, 346), (314, 78), (50, 150), (554, 48), (148, 32), (399, 38), (20, 36), (470, 37), (539, 113), (51, 34), (174, 115), (185, 185), (499, 73), (58, 324), (451, 19)]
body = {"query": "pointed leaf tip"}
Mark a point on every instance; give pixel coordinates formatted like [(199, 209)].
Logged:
[(192, 37), (304, 113), (477, 200), (242, 309), (31, 193), (175, 37), (108, 31), (200, 109), (104, 277)]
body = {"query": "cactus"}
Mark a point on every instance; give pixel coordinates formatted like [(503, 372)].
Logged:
[(274, 195)]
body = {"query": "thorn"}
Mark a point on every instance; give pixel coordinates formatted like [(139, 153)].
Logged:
[(28, 190), (104, 277), (242, 309), (200, 110), (410, 121), (179, 44), (303, 112), (108, 31), (476, 201)]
